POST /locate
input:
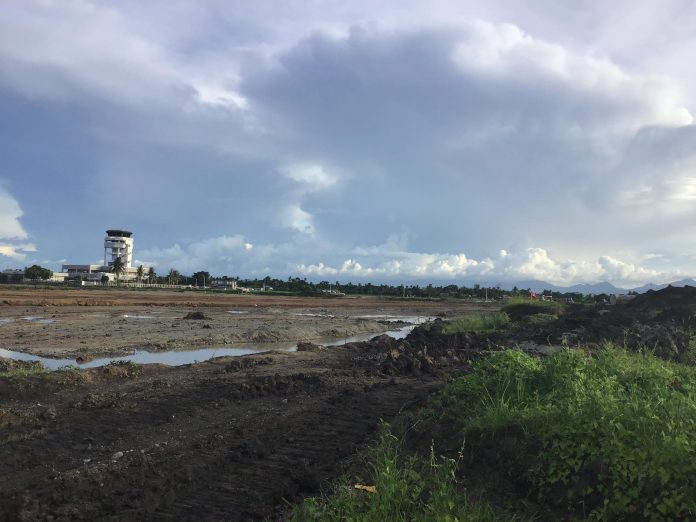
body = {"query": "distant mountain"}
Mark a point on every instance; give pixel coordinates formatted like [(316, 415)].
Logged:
[(596, 288), (653, 286), (539, 286)]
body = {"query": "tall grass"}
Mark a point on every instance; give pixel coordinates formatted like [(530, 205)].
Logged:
[(478, 323), (629, 417), (406, 489)]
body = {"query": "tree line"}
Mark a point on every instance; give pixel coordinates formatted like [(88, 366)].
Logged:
[(302, 286)]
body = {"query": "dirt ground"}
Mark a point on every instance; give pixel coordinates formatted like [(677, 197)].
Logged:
[(231, 439), (91, 323), (243, 438), (236, 438)]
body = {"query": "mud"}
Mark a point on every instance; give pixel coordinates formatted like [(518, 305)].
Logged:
[(662, 322), (119, 322), (231, 439), (228, 439)]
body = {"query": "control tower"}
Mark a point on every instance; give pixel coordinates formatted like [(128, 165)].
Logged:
[(118, 243)]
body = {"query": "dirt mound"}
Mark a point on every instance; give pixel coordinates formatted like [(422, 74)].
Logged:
[(310, 347), (660, 321), (671, 303), (196, 316), (7, 365)]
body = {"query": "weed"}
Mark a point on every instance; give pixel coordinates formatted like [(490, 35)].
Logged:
[(627, 420), (478, 323), (132, 369), (406, 488), (20, 369)]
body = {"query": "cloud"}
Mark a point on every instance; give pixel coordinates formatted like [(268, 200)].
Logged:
[(12, 234), (529, 264), (455, 135), (310, 176), (292, 216), (10, 212)]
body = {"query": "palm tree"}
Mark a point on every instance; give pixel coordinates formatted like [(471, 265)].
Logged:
[(140, 273), (173, 276), (117, 267), (151, 276)]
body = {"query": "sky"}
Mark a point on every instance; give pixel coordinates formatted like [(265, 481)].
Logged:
[(397, 141)]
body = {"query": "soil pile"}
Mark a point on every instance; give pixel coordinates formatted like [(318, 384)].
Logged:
[(196, 316), (662, 321)]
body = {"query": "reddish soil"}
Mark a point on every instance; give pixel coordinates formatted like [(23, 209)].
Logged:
[(28, 296)]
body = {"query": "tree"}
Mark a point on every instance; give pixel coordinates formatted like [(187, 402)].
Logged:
[(104, 279), (151, 276), (201, 278), (118, 268), (140, 273), (37, 272), (173, 276)]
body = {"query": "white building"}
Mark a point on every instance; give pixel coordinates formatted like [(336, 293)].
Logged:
[(118, 243)]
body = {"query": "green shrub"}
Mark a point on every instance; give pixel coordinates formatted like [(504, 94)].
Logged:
[(630, 417), (478, 323), (518, 308)]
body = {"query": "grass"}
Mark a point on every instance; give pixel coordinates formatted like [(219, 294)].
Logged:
[(131, 369), (630, 417), (478, 323), (405, 489), (29, 369), (519, 308)]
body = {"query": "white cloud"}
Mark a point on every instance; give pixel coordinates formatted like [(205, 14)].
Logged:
[(292, 216), (529, 264), (10, 212), (12, 233), (311, 176), (455, 132), (217, 95), (219, 253)]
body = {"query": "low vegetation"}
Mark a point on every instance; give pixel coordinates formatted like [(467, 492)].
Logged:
[(520, 308), (478, 323), (10, 369), (615, 429), (603, 436), (399, 488)]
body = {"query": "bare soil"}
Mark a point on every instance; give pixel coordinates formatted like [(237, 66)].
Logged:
[(231, 439), (92, 323)]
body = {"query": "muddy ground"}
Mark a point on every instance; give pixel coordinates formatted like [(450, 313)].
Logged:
[(90, 323), (230, 439), (243, 438)]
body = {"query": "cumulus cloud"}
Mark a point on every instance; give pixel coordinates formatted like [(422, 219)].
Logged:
[(221, 253), (292, 216), (463, 134), (10, 212), (12, 233), (530, 264)]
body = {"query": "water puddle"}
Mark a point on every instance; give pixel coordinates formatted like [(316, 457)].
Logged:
[(133, 316), (237, 312), (32, 318), (178, 358), (140, 357), (315, 315), (386, 318)]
